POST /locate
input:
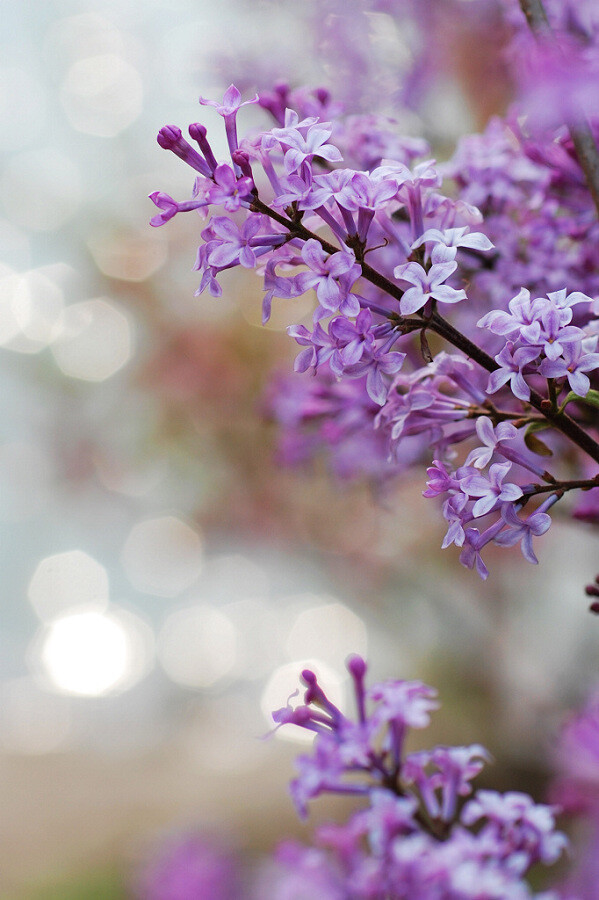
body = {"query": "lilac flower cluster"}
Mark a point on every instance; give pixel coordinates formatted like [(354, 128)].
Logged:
[(315, 206), (576, 789), (557, 67), (423, 832)]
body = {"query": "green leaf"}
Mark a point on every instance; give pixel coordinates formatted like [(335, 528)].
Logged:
[(535, 444), (592, 399)]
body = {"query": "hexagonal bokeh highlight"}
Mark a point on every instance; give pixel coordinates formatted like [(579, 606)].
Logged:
[(65, 580), (162, 556)]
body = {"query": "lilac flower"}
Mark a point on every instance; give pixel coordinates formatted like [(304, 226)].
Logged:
[(491, 438), (524, 829), (231, 102), (228, 190), (410, 839), (403, 704), (364, 194), (555, 336), (170, 207), (377, 364), (295, 189), (426, 285), (291, 120), (523, 311), (331, 186), (447, 770), (209, 272), (315, 343), (362, 191), (352, 341), (232, 245), (573, 364), (512, 361), (276, 286), (228, 109), (325, 272), (523, 530), (470, 556), (423, 406), (300, 149), (456, 515), (455, 237), (491, 490), (566, 301), (537, 214), (440, 480), (387, 817), (323, 770)]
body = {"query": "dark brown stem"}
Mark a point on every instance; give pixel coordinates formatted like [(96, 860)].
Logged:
[(588, 157), (580, 131), (560, 487), (535, 15)]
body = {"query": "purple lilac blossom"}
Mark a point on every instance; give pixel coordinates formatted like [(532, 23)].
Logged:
[(428, 284), (512, 361), (416, 838), (576, 789), (491, 490), (397, 240), (523, 530), (187, 867)]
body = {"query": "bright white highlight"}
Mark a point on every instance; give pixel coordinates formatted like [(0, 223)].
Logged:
[(89, 652)]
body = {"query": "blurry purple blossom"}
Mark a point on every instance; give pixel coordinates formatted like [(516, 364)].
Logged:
[(411, 841), (523, 530), (188, 867)]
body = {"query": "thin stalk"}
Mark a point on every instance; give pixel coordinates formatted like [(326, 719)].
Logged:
[(580, 131)]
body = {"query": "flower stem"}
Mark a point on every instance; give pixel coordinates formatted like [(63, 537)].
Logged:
[(580, 131)]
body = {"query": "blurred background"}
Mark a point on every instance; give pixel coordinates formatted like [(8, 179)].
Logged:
[(164, 577)]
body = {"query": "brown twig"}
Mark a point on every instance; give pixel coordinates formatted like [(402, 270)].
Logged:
[(580, 131)]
